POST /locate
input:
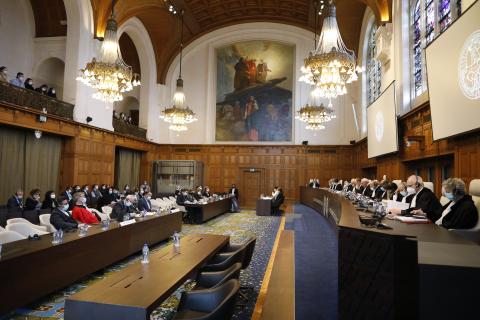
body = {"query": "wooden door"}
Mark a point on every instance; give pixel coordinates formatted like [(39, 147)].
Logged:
[(251, 188)]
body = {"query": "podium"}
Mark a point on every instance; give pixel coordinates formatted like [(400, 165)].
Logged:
[(264, 207)]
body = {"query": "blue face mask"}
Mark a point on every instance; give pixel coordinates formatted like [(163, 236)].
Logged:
[(449, 196), (65, 207)]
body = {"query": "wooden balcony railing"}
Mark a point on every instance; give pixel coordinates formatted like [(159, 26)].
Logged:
[(122, 127), (34, 100)]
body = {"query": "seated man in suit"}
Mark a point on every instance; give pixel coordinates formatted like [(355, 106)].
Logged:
[(33, 202), (423, 201), (277, 201), (206, 192), (60, 218), (460, 212), (80, 211), (351, 185), (16, 201), (365, 187), (198, 194), (144, 203), (123, 209), (310, 183)]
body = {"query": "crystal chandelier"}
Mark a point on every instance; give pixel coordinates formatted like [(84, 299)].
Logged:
[(179, 115), (331, 65), (109, 75), (315, 114)]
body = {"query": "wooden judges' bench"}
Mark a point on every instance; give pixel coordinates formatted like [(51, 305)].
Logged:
[(414, 271), (31, 269)]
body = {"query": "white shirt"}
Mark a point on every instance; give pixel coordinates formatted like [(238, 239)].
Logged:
[(444, 213), (414, 200)]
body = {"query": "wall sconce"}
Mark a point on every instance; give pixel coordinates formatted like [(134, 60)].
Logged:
[(38, 134), (419, 139)]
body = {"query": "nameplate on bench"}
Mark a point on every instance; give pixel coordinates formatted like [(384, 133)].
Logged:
[(126, 223)]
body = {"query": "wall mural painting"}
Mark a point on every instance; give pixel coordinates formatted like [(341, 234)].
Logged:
[(254, 92)]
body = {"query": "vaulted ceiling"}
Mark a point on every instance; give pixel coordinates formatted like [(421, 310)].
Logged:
[(203, 16)]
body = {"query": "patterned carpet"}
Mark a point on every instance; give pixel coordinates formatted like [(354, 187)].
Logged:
[(239, 226)]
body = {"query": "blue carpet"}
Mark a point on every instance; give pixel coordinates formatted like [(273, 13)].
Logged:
[(316, 265)]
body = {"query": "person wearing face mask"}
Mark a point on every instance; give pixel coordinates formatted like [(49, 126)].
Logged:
[(422, 200), (29, 84), (52, 93), (3, 74), (33, 202), (95, 193), (80, 211), (60, 218), (144, 203), (126, 189), (86, 190), (123, 208), (400, 193), (42, 89), (206, 192), (50, 202), (16, 201), (460, 212), (18, 81)]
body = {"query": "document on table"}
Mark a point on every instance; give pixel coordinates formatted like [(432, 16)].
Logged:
[(397, 205), (414, 219)]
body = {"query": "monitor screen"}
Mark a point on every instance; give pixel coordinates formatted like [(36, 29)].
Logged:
[(453, 74), (382, 124)]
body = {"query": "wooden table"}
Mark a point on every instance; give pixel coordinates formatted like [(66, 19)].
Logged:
[(411, 271), (134, 292), (264, 207), (30, 270), (199, 213)]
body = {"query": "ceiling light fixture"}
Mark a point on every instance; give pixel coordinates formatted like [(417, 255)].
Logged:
[(179, 115), (331, 66), (109, 75), (315, 114)]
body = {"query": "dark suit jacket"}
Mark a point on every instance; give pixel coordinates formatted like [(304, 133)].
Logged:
[(235, 193), (181, 199), (66, 195), (463, 214), (367, 191), (144, 204), (49, 204), (277, 202), (13, 202), (426, 201), (338, 187), (120, 210), (61, 221), (379, 194), (31, 204), (350, 187), (399, 196)]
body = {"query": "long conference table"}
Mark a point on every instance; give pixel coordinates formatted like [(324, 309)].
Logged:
[(413, 271), (199, 213), (134, 292), (31, 269)]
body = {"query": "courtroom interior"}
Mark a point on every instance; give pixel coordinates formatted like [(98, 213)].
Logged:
[(239, 159)]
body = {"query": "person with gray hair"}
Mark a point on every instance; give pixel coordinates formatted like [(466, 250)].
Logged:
[(422, 200), (460, 212), (123, 209)]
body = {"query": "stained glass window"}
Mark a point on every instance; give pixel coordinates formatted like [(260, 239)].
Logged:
[(444, 14), (429, 19), (374, 70)]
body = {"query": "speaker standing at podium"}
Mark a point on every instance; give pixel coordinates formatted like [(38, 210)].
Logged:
[(277, 201)]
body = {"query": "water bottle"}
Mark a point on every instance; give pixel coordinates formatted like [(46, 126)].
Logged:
[(176, 239), (60, 236), (145, 253)]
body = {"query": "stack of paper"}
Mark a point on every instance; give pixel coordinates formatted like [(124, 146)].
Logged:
[(414, 219)]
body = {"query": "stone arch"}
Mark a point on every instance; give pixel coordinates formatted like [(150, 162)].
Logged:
[(50, 71), (135, 29)]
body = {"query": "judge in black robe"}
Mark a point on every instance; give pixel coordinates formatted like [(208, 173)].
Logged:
[(462, 215), (425, 201)]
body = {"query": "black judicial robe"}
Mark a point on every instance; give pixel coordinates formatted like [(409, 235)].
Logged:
[(367, 192), (426, 201), (463, 214)]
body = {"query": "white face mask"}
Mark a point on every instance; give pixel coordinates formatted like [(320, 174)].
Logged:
[(30, 82), (403, 193), (53, 91), (148, 197), (65, 207), (20, 78), (410, 190), (52, 196)]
